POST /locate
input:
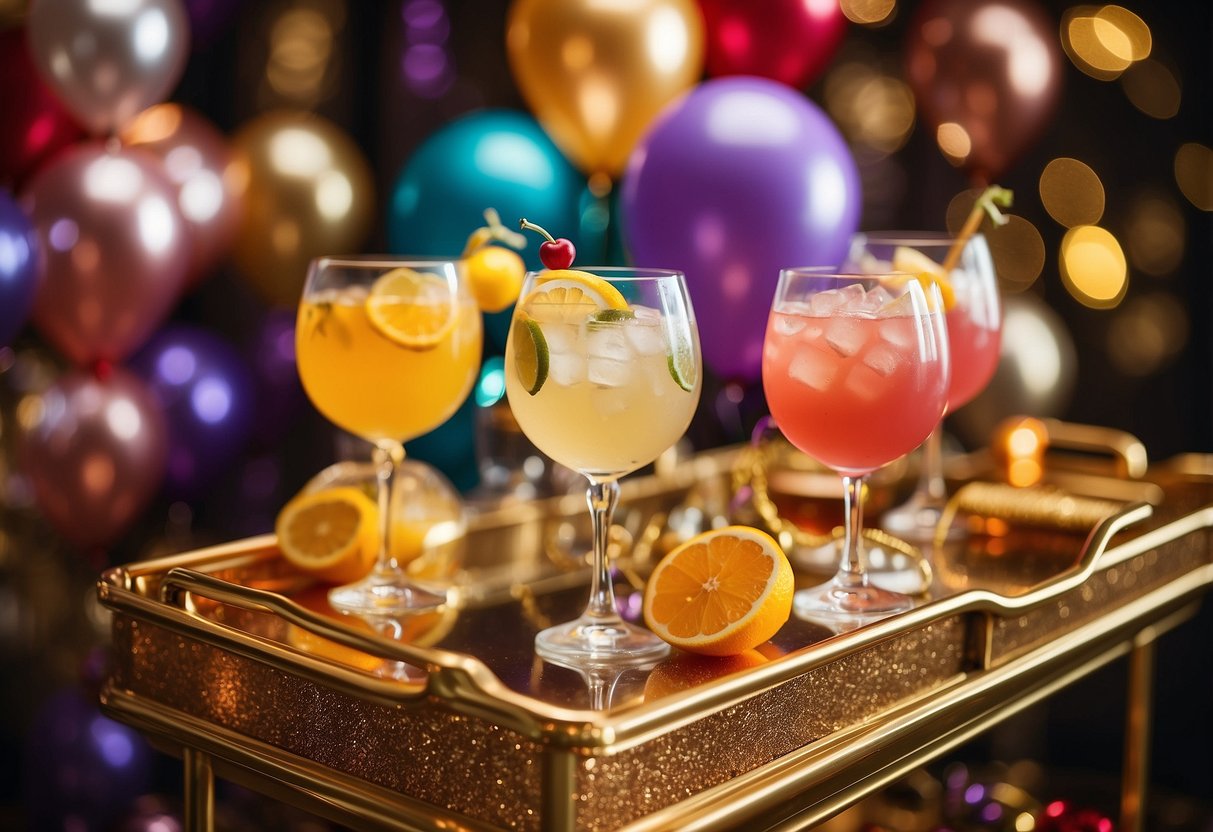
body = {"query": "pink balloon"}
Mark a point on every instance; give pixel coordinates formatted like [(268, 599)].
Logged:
[(197, 160), (109, 61), (115, 246), (95, 455), (791, 41)]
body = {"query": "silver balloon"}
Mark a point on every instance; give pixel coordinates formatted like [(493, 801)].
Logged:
[(108, 61), (1036, 370)]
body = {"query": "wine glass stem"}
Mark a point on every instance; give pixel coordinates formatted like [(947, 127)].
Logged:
[(388, 457), (931, 481), (602, 498), (852, 573)]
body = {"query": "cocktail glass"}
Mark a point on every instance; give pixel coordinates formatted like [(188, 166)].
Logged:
[(603, 374), (387, 349), (974, 337), (855, 371)]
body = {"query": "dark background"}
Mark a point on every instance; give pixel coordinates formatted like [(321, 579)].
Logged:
[(50, 631)]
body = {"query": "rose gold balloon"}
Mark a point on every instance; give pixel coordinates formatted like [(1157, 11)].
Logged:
[(596, 74), (94, 454), (197, 160), (989, 72), (109, 61), (115, 247), (307, 191)]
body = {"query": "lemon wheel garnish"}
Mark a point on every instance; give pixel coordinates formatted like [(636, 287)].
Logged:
[(530, 354), (412, 309), (330, 534), (926, 270), (570, 287)]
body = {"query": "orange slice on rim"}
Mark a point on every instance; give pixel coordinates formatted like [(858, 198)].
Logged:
[(412, 309)]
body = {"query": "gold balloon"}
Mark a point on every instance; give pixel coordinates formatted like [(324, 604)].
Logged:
[(597, 73), (307, 191)]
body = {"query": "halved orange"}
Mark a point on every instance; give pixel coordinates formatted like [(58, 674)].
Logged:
[(413, 309), (330, 534), (720, 593)]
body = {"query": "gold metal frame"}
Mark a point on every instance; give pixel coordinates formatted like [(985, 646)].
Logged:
[(1140, 573)]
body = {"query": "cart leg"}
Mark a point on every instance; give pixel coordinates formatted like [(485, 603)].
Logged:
[(199, 792), (1137, 734)]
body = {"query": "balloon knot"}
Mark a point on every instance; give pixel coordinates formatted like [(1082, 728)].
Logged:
[(103, 369)]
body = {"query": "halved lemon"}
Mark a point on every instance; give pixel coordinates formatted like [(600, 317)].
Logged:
[(412, 309), (721, 593), (330, 534), (913, 261)]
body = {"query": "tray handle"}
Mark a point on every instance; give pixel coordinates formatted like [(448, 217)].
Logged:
[(443, 668)]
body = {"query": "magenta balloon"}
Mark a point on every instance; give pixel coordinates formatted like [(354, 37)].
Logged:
[(115, 246), (739, 179), (109, 61), (35, 125), (197, 160), (95, 454)]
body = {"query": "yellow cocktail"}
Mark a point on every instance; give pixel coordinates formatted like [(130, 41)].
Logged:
[(602, 373), (387, 350)]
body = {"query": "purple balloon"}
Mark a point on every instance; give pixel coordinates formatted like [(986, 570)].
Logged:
[(19, 265), (81, 770), (742, 177), (208, 395), (280, 394)]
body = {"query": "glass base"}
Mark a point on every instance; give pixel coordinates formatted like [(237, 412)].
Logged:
[(384, 595), (832, 599), (599, 642), (917, 520)]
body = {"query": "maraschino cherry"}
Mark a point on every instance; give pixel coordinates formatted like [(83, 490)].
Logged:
[(555, 253)]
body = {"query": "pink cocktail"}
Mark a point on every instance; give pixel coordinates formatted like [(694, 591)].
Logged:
[(855, 369), (851, 390), (975, 338)]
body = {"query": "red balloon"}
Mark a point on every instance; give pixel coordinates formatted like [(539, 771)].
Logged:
[(115, 246), (198, 161), (35, 124), (95, 454), (786, 40), (991, 67)]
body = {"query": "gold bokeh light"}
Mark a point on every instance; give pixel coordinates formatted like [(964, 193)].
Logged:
[(1152, 88), (1147, 333), (1155, 234), (1071, 192), (1104, 41), (1017, 248), (870, 107), (1093, 267), (868, 12), (1194, 174), (954, 141)]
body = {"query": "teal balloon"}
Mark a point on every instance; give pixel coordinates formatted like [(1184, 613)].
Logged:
[(488, 159)]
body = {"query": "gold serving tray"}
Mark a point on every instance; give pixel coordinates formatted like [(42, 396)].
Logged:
[(449, 721)]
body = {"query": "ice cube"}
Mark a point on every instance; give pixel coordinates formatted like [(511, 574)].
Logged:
[(658, 374), (882, 358), (562, 337), (898, 332), (566, 368), (853, 295), (813, 368), (877, 297), (823, 303), (845, 335), (609, 353), (865, 384), (644, 335), (788, 325)]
